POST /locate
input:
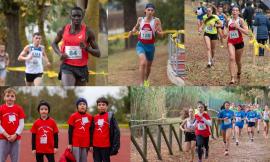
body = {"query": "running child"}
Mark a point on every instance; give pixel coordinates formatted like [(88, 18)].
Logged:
[(226, 116), (239, 123), (148, 26), (223, 18), (202, 130), (200, 12), (106, 133), (251, 119), (266, 117), (188, 127), (33, 55), (4, 62), (11, 126), (44, 134), (79, 131)]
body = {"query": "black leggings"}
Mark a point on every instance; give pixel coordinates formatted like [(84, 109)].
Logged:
[(202, 142), (40, 157)]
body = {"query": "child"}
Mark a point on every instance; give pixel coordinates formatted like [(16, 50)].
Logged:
[(4, 62), (44, 134), (79, 131), (11, 126), (106, 135), (32, 55)]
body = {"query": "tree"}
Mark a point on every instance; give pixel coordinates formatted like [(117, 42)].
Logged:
[(11, 10)]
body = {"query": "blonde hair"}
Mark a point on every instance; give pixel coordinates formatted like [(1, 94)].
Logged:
[(10, 90)]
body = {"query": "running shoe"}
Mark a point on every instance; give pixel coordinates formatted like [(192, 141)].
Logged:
[(237, 143), (252, 139), (258, 131), (226, 153)]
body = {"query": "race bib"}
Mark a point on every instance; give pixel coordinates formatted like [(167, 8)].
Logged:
[(43, 140), (146, 35), (234, 34), (238, 119), (73, 52), (209, 29), (100, 122), (252, 119), (201, 126), (11, 118), (228, 122)]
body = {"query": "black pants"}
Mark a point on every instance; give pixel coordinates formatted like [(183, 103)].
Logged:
[(202, 142), (40, 157), (101, 154), (261, 50)]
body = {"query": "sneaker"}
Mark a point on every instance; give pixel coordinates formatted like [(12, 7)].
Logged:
[(252, 139), (237, 143), (209, 65), (226, 153), (206, 154), (258, 131), (221, 46)]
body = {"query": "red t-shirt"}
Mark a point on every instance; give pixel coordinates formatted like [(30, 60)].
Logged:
[(101, 136), (201, 128), (71, 46), (9, 119), (81, 129), (44, 130)]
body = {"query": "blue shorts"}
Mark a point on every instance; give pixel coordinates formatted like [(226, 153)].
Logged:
[(239, 125), (147, 49), (224, 127), (200, 17)]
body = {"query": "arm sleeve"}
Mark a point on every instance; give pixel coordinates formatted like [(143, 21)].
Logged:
[(207, 121), (116, 138), (55, 136), (33, 141), (92, 131), (70, 132), (2, 130), (20, 127)]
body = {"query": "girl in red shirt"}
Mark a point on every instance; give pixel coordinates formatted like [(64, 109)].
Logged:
[(44, 134), (79, 131), (236, 27), (202, 130)]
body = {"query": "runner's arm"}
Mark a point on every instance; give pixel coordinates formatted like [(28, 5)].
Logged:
[(207, 122), (58, 39), (92, 46), (244, 28), (45, 57), (159, 27), (23, 54), (182, 125), (135, 28)]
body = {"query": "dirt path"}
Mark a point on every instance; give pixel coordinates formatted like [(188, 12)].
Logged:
[(124, 68), (27, 156), (257, 151), (255, 71)]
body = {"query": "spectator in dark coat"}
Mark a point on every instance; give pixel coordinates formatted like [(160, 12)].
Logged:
[(248, 14), (263, 26)]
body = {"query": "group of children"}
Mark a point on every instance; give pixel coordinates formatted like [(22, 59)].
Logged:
[(99, 133), (196, 126)]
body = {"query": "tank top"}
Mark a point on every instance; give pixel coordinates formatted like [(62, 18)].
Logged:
[(235, 36), (34, 65), (266, 115), (222, 19), (3, 59), (71, 46), (147, 31), (209, 25), (190, 124)]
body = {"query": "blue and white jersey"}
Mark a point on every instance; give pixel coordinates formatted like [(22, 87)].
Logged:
[(34, 65)]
